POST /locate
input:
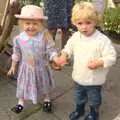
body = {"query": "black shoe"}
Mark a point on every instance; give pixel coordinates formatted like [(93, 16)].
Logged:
[(78, 112), (17, 108), (48, 106), (93, 114), (91, 117), (75, 115)]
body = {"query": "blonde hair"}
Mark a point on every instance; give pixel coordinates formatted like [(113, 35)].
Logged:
[(42, 28), (47, 35), (84, 11)]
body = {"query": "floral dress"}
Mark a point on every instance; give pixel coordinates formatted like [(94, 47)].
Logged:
[(34, 73)]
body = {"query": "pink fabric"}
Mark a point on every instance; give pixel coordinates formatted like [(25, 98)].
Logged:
[(31, 12)]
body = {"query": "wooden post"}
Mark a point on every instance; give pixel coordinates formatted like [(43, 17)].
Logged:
[(5, 14)]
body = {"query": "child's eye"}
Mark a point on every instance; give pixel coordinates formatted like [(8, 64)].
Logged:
[(35, 23), (79, 23), (88, 22), (27, 23)]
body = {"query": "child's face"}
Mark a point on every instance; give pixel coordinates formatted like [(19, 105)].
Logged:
[(31, 27), (87, 27)]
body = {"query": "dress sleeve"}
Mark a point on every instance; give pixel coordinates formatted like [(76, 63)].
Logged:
[(50, 49), (16, 50)]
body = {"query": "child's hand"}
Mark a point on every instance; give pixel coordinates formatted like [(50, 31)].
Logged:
[(61, 60), (94, 64), (54, 65), (11, 71)]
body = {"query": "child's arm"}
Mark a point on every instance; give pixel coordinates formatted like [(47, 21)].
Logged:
[(15, 57), (62, 59), (52, 54), (58, 61), (108, 55)]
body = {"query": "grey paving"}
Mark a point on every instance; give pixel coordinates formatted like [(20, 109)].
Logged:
[(62, 96)]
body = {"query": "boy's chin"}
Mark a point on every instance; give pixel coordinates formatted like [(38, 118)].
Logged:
[(88, 33)]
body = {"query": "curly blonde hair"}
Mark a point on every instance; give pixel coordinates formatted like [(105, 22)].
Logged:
[(84, 11)]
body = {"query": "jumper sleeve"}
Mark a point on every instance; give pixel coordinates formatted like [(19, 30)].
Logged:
[(108, 53), (68, 48), (16, 50)]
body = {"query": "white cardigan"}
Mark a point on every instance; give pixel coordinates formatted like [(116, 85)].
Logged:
[(84, 49)]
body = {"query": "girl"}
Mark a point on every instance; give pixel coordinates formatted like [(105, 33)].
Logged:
[(32, 49), (93, 55)]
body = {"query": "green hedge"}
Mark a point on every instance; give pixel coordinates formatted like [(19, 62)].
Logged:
[(111, 20), (36, 2)]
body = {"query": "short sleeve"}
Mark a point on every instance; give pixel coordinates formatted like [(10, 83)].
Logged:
[(50, 49)]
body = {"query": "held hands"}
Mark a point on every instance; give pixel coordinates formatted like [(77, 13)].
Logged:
[(54, 65), (58, 62), (94, 64), (61, 60)]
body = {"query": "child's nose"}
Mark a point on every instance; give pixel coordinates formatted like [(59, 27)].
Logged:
[(31, 25), (84, 26)]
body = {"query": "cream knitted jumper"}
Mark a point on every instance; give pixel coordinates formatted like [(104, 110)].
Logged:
[(84, 49)]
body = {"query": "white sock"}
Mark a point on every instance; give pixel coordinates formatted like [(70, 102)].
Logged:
[(46, 100), (21, 102)]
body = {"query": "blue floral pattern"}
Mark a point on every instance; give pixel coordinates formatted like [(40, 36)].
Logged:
[(34, 75)]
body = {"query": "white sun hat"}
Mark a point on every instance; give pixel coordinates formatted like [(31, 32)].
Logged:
[(31, 12)]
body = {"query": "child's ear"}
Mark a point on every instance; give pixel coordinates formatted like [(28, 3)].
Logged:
[(96, 24)]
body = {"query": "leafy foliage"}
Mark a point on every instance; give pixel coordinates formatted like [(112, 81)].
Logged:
[(111, 20), (25, 2), (80, 0)]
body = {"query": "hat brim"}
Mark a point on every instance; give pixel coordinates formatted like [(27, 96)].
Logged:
[(32, 18)]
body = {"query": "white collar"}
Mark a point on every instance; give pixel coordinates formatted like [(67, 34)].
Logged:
[(25, 37)]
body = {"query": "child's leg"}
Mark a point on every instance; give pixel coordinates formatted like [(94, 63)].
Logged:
[(80, 100), (21, 101), (94, 102), (19, 107)]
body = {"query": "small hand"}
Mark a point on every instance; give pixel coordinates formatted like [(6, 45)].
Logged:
[(54, 66), (54, 63), (94, 64), (11, 71), (61, 60)]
